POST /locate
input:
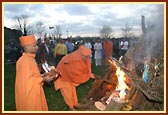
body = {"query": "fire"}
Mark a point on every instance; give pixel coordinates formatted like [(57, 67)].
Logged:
[(121, 83), (122, 86), (110, 61)]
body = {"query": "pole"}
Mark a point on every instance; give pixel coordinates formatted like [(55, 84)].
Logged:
[(67, 33)]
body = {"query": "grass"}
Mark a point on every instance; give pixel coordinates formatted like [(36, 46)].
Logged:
[(54, 98), (9, 87)]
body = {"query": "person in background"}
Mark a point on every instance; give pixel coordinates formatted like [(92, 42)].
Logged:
[(44, 56), (7, 50), (89, 45), (98, 53), (52, 46), (108, 49), (39, 43), (69, 45), (60, 51), (13, 50), (124, 47), (45, 51), (29, 93), (75, 69)]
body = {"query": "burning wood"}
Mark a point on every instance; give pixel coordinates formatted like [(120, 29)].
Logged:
[(120, 90), (113, 88), (138, 82)]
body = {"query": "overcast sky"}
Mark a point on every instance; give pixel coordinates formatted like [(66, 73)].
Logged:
[(85, 19)]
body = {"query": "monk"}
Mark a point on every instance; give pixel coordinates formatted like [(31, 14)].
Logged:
[(108, 49), (75, 69), (29, 93)]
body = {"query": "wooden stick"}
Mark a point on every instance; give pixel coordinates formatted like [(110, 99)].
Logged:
[(105, 80)]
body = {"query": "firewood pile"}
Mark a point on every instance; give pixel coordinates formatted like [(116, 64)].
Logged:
[(151, 95), (139, 95)]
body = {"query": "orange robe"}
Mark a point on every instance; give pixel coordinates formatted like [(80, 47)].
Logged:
[(74, 71), (108, 49), (29, 93)]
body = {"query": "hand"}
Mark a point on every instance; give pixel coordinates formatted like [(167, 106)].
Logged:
[(55, 76), (92, 76), (52, 67), (47, 78)]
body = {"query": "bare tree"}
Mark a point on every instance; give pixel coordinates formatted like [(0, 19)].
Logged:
[(106, 32), (127, 31), (31, 30), (21, 23), (39, 29), (57, 31)]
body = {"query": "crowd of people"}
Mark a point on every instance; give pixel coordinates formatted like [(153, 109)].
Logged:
[(12, 51), (50, 49), (53, 52)]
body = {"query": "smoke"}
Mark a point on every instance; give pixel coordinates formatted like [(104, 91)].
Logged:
[(154, 40), (151, 45)]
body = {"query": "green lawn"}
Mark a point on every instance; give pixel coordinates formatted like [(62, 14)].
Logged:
[(54, 98)]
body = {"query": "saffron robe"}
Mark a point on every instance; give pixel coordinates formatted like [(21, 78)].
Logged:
[(108, 48), (29, 93), (74, 71)]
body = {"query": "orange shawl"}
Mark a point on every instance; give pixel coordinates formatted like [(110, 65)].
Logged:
[(73, 69), (29, 93), (108, 48)]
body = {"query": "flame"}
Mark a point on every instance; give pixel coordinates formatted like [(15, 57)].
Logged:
[(121, 83), (110, 61), (122, 86)]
